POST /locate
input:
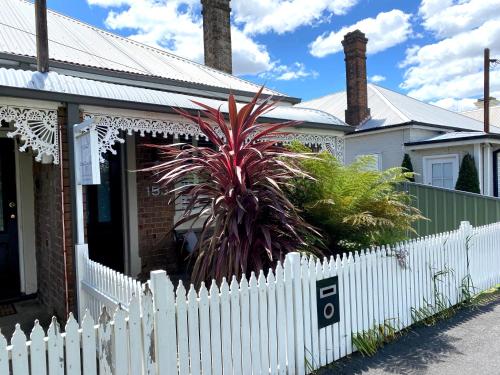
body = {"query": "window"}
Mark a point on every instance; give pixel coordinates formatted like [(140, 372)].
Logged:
[(375, 163), (442, 175), (441, 171)]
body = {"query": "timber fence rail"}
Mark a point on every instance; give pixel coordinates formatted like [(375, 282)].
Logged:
[(266, 323), (101, 286)]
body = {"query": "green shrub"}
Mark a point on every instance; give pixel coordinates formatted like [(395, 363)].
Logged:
[(352, 206), (468, 179), (408, 167)]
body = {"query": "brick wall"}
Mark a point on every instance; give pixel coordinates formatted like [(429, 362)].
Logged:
[(53, 232), (157, 248)]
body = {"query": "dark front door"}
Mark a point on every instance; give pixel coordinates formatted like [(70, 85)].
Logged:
[(9, 248), (105, 216)]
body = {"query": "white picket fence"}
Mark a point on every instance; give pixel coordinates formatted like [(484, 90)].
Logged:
[(264, 324), (100, 286)]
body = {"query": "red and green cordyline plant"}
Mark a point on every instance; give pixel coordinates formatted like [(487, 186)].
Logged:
[(248, 222)]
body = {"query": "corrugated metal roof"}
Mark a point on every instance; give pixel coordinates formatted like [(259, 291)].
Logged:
[(78, 43), (457, 136), (478, 114), (59, 83), (388, 107)]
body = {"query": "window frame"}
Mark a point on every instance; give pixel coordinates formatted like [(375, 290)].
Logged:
[(429, 161)]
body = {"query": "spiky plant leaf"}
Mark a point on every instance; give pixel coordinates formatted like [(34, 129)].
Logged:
[(248, 223)]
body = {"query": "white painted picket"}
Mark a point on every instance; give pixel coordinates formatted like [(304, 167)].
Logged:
[(100, 286), (260, 325)]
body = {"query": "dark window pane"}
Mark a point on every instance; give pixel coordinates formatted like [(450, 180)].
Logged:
[(104, 195), (2, 225)]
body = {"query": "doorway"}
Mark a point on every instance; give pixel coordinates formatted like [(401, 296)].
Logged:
[(105, 225), (9, 236), (496, 173)]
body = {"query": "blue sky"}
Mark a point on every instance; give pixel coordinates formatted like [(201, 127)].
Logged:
[(429, 49)]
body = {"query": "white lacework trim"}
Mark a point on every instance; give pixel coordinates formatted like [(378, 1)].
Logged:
[(37, 129), (332, 144), (109, 127)]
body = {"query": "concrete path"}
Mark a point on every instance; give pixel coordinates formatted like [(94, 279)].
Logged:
[(468, 343), (27, 312)]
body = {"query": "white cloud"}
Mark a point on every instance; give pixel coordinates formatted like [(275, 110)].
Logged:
[(456, 105), (108, 3), (377, 78), (386, 30), (289, 72), (176, 25), (249, 57), (281, 16), (449, 71), (453, 67), (160, 24), (448, 17)]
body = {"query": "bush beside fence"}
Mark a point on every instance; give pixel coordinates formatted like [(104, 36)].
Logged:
[(266, 324)]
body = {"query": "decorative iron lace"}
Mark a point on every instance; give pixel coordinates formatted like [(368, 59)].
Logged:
[(109, 128), (36, 128)]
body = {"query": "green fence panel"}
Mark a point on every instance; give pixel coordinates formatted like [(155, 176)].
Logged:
[(446, 208)]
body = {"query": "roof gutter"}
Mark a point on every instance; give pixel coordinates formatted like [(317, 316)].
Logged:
[(136, 80), (26, 93), (410, 123), (470, 140)]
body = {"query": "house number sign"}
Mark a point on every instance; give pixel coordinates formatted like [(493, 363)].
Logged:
[(87, 154), (156, 191), (327, 300)]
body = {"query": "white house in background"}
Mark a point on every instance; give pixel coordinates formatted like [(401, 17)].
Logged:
[(387, 124), (478, 113)]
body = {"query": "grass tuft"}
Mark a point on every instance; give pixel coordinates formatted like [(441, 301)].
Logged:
[(368, 342)]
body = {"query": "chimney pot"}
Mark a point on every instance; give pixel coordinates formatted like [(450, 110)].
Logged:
[(354, 44)]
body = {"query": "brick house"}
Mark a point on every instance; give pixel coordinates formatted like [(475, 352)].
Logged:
[(129, 90), (386, 124)]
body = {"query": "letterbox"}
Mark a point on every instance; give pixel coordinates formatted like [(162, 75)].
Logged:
[(327, 298)]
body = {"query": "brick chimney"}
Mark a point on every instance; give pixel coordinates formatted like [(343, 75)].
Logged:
[(217, 34), (355, 68)]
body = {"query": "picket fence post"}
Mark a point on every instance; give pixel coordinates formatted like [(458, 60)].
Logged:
[(468, 239), (164, 323), (82, 254), (4, 355), (298, 312)]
